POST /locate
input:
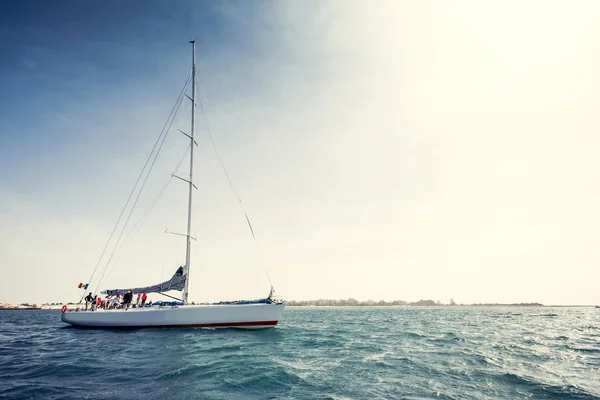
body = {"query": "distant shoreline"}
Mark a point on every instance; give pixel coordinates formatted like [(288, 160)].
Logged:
[(299, 304), (447, 306), (401, 303)]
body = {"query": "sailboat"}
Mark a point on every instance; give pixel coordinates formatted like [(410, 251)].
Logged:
[(247, 314)]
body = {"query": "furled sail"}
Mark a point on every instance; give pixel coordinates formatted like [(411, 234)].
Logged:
[(177, 282)]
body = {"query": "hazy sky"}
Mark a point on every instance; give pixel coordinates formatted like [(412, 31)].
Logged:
[(383, 149)]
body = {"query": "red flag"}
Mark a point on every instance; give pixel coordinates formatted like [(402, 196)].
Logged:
[(80, 286)]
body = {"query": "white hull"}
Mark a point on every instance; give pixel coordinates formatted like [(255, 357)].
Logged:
[(247, 316)]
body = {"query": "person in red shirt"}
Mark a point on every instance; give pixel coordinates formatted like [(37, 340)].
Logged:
[(144, 297)]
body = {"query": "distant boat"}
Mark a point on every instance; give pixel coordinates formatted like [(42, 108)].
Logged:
[(251, 314)]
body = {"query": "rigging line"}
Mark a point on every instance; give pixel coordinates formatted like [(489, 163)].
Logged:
[(138, 225), (131, 194), (178, 257), (164, 134), (173, 113), (250, 225), (262, 262), (214, 146), (129, 215), (182, 113), (136, 201), (146, 213), (268, 277), (229, 181)]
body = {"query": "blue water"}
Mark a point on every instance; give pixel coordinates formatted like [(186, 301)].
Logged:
[(315, 353)]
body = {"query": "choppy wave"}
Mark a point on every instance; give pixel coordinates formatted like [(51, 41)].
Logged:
[(377, 353)]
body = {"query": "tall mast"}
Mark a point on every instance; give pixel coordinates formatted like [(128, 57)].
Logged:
[(186, 270)]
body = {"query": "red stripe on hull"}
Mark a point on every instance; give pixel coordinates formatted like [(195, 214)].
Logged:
[(223, 324), (214, 325)]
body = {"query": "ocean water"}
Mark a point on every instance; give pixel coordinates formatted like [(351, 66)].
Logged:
[(315, 353)]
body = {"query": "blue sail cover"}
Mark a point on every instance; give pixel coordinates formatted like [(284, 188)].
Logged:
[(259, 301), (177, 282), (267, 300), (167, 303)]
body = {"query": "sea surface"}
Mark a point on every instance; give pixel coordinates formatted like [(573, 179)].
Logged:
[(315, 353)]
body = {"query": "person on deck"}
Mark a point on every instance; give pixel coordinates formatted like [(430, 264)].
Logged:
[(127, 297), (137, 300), (88, 299), (114, 302), (144, 297)]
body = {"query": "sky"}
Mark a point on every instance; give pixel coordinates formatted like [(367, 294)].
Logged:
[(385, 150)]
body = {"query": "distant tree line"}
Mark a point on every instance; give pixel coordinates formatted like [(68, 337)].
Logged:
[(381, 303), (355, 303)]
